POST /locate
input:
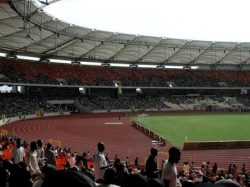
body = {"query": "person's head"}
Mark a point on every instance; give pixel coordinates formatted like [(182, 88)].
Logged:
[(119, 167), (174, 155), (33, 146), (135, 180), (188, 183), (66, 178), (79, 164), (100, 147), (154, 152), (40, 143), (48, 169), (49, 146), (227, 183), (18, 142), (109, 176), (25, 144), (19, 175)]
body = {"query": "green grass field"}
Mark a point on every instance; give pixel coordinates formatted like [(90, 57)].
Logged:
[(198, 127)]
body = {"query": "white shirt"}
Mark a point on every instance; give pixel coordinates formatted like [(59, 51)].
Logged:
[(72, 161), (169, 173), (18, 155), (33, 163), (99, 161)]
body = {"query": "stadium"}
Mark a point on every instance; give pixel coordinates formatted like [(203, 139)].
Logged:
[(72, 87)]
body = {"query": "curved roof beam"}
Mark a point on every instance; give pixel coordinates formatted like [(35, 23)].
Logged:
[(203, 52), (63, 45), (121, 50), (233, 49), (98, 45), (176, 52), (149, 51)]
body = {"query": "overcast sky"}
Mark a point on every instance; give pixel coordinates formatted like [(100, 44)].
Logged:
[(215, 20)]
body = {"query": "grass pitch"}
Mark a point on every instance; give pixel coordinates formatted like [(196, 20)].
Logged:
[(198, 127)]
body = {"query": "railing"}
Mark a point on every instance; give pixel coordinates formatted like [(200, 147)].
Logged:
[(156, 137), (237, 144)]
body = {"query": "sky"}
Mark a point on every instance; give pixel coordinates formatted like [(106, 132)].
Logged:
[(209, 20)]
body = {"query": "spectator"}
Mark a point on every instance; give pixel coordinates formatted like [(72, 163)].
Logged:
[(135, 180), (151, 164), (50, 155), (19, 176), (169, 172), (214, 168), (33, 161), (109, 178), (121, 174), (127, 163), (227, 183), (100, 162), (18, 154), (137, 162), (66, 178), (40, 153), (72, 160), (244, 170), (207, 169)]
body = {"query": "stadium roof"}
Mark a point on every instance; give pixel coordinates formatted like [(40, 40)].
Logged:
[(27, 30)]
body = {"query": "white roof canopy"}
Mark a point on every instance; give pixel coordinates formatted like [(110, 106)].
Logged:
[(30, 31)]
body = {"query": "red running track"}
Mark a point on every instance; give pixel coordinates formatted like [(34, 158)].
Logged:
[(82, 133)]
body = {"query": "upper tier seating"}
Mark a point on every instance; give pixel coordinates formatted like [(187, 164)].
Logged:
[(50, 73)]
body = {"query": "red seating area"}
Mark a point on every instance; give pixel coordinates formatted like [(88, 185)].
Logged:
[(30, 71)]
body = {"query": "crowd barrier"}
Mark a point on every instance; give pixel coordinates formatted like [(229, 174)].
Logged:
[(237, 144), (156, 137)]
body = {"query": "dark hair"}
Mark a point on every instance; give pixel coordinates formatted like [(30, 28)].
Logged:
[(40, 143), (18, 142), (174, 151), (109, 176), (154, 151), (135, 180), (66, 178), (174, 155), (33, 146), (49, 145), (19, 176), (100, 147)]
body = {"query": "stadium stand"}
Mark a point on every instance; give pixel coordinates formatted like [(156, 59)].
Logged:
[(16, 71), (204, 173)]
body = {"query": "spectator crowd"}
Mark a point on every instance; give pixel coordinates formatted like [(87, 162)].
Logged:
[(13, 103), (37, 164), (48, 73)]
